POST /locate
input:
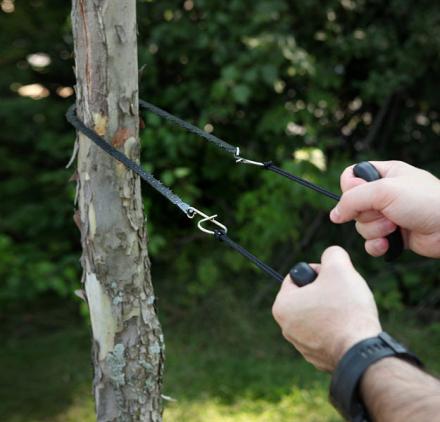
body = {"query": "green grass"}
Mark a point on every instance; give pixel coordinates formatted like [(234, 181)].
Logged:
[(230, 369), (244, 375)]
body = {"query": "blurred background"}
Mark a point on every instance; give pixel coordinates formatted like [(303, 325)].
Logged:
[(314, 85)]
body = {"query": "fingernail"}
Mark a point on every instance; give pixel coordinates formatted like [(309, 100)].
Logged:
[(335, 215)]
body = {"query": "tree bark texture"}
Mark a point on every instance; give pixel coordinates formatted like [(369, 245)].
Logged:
[(127, 337)]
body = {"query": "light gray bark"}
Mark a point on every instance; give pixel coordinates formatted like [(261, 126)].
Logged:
[(127, 337)]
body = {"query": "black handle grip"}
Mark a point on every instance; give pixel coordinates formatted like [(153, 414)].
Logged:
[(302, 274), (368, 172)]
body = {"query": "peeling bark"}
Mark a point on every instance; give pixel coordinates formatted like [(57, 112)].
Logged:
[(127, 337)]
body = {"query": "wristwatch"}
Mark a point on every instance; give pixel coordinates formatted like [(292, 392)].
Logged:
[(344, 386)]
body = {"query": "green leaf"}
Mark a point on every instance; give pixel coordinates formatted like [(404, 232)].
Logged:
[(241, 93)]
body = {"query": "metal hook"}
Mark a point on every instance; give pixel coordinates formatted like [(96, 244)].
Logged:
[(242, 160), (211, 218)]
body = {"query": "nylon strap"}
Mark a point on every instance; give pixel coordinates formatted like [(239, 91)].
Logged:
[(72, 118), (223, 237), (233, 150), (301, 181), (170, 195), (188, 126)]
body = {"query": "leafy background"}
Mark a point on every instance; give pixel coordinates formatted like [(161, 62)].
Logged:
[(313, 85)]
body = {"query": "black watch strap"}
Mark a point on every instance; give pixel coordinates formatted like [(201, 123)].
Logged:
[(344, 392)]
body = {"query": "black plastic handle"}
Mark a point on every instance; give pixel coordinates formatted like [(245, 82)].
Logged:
[(302, 274), (368, 172)]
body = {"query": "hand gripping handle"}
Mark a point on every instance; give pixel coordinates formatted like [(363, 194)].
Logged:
[(303, 274), (368, 172)]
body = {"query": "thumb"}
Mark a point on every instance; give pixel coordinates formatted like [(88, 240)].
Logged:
[(335, 259)]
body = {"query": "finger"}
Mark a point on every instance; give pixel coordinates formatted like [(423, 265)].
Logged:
[(366, 216), (349, 180), (369, 216), (282, 303), (377, 247), (375, 229), (366, 197)]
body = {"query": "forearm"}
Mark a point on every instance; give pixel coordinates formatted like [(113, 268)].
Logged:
[(395, 390)]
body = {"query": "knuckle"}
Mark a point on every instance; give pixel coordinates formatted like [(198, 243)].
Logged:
[(400, 165), (276, 312), (359, 227), (289, 335), (374, 229), (396, 166)]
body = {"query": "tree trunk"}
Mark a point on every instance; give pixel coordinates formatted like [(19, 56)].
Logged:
[(127, 337)]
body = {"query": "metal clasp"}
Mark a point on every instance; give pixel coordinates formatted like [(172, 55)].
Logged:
[(211, 218), (242, 160)]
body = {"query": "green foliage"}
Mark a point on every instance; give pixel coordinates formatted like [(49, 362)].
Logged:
[(278, 78)]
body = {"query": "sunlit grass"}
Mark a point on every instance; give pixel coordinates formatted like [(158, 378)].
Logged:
[(235, 369), (80, 410), (296, 405)]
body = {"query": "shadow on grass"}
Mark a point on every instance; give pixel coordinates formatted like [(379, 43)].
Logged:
[(45, 362), (225, 362), (229, 362)]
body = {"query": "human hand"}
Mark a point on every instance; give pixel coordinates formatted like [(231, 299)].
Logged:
[(405, 196), (325, 318)]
